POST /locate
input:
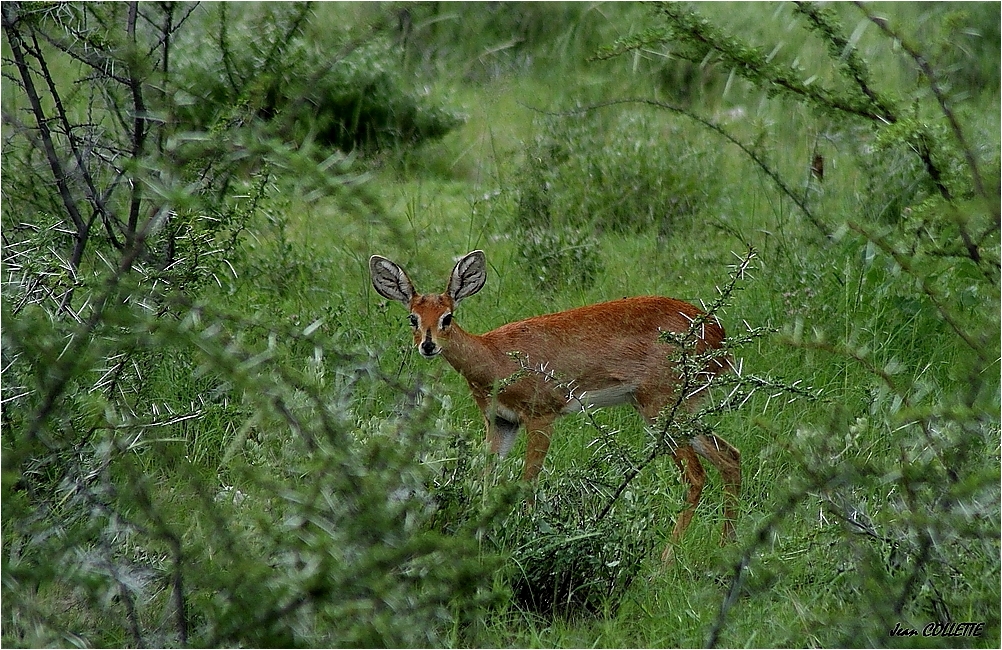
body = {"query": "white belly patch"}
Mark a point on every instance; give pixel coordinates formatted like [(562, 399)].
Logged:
[(611, 396)]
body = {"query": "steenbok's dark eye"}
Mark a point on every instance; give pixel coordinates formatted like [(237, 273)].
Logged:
[(414, 321), (446, 320)]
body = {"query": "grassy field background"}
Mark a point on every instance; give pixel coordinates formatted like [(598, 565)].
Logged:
[(273, 463)]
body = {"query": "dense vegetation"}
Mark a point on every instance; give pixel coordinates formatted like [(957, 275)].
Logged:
[(215, 433)]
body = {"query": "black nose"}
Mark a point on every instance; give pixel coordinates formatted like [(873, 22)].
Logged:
[(428, 346)]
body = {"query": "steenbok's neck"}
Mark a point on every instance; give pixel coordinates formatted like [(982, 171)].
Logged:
[(475, 359)]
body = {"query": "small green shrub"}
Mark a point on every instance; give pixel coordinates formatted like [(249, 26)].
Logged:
[(561, 258), (567, 560), (635, 174), (582, 178), (262, 65), (893, 181), (563, 556)]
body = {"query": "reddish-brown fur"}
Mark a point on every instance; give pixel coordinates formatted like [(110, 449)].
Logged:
[(530, 372)]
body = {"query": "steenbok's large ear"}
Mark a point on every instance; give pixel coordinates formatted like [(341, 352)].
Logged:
[(390, 280), (468, 277)]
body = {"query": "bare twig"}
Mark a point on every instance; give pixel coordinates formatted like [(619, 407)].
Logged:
[(15, 39), (138, 125), (93, 195)]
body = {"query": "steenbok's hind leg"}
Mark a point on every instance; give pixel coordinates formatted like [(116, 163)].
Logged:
[(727, 459), (693, 475)]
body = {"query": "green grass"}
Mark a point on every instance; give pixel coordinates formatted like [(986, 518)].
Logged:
[(459, 194), (841, 310)]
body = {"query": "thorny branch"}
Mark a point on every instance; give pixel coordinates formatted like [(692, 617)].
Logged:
[(940, 95), (17, 44)]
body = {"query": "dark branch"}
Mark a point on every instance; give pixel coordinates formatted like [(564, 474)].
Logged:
[(18, 48)]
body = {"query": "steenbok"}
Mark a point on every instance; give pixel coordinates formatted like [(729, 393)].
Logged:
[(529, 373)]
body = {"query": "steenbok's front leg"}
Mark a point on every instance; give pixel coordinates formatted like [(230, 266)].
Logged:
[(539, 431)]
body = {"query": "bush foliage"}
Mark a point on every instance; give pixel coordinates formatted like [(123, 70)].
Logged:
[(269, 65), (213, 435)]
